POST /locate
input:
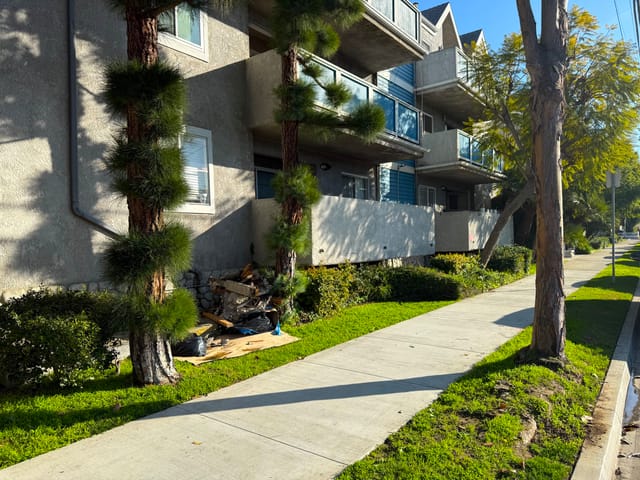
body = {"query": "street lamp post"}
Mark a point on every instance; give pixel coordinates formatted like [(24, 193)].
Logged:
[(613, 182)]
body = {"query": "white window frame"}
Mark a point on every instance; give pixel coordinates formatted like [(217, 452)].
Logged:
[(174, 42), (362, 177), (208, 208)]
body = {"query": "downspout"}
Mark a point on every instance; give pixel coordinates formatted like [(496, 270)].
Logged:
[(73, 130)]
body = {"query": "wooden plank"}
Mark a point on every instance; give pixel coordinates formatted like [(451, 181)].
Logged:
[(240, 288), (217, 319)]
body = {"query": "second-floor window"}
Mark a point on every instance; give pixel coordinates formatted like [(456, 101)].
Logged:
[(184, 29)]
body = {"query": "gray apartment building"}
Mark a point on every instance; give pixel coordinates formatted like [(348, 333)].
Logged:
[(424, 186)]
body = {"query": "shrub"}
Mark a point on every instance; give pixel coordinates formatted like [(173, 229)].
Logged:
[(574, 238), (328, 290), (455, 263), (63, 333), (35, 345), (409, 284), (482, 280), (511, 258), (598, 243), (419, 284), (583, 247)]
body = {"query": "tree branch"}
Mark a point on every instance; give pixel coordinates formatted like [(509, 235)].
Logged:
[(528, 29)]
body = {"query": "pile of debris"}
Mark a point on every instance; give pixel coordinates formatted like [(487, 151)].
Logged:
[(241, 306)]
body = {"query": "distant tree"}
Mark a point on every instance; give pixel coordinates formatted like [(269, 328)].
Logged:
[(299, 30), (600, 114)]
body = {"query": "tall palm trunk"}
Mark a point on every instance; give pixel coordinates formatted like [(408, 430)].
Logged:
[(150, 352)]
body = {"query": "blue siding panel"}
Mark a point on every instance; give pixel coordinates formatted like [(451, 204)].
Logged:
[(397, 186), (396, 90), (405, 73)]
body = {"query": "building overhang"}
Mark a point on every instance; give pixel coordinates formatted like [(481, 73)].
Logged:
[(455, 97), (461, 172)]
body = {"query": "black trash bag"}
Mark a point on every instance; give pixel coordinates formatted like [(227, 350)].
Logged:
[(192, 346), (255, 322)]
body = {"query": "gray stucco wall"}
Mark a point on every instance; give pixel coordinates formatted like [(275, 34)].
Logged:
[(355, 230), (465, 231), (42, 242)]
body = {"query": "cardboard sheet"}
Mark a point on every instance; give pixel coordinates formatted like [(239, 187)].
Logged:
[(238, 346)]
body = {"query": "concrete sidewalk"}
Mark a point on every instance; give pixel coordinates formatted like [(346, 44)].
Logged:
[(311, 418)]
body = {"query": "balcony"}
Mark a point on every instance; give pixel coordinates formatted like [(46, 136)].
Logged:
[(467, 231), (400, 140), (355, 230), (443, 80), (388, 35), (457, 156)]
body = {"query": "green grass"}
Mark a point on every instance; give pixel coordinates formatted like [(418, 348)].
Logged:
[(467, 433), (472, 430), (32, 424)]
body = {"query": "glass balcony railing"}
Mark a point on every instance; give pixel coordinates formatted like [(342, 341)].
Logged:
[(463, 67), (402, 119), (469, 150), (402, 13)]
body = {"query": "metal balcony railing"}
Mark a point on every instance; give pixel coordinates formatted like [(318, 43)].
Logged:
[(469, 150), (402, 119)]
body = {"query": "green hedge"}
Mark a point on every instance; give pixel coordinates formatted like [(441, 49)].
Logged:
[(511, 258), (56, 335), (455, 263), (419, 284), (332, 288)]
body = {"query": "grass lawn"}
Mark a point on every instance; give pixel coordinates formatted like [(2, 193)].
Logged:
[(503, 420), (469, 432), (32, 424)]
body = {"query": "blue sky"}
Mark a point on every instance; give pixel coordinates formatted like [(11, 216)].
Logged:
[(499, 17)]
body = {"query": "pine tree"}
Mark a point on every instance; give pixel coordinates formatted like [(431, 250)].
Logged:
[(147, 164), (299, 30)]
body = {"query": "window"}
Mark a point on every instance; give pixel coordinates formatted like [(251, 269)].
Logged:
[(426, 196), (427, 123), (264, 183), (198, 170), (355, 186), (184, 29)]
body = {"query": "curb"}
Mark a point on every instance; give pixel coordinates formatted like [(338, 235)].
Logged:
[(599, 454)]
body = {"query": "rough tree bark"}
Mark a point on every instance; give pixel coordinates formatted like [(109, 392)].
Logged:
[(150, 352), (292, 211), (546, 64)]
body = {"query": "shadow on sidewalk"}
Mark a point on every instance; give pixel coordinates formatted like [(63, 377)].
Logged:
[(307, 395), (519, 319)]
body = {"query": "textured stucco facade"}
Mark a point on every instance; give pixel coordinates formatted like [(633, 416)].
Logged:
[(42, 241), (53, 124)]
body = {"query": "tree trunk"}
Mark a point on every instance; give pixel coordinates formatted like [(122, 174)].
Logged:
[(151, 359), (292, 211), (507, 212), (546, 63), (150, 352)]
